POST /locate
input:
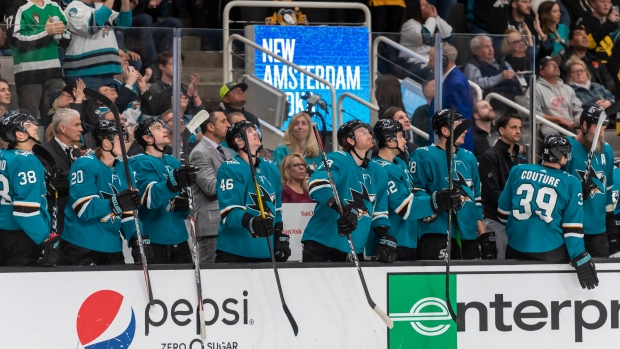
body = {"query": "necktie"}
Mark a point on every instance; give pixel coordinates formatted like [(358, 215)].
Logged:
[(219, 148), (69, 152)]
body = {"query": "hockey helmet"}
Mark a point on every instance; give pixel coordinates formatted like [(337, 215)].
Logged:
[(105, 129), (592, 114), (144, 129), (347, 130), (385, 130), (12, 123), (234, 132), (442, 118), (554, 147)]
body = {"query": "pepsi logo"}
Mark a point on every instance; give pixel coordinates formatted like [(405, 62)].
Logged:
[(106, 320)]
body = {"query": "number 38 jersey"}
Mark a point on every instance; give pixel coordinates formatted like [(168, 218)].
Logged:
[(542, 209), (22, 195)]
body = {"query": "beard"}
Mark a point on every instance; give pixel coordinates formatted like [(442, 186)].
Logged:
[(488, 117), (588, 140)]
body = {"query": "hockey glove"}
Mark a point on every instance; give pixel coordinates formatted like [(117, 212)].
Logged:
[(386, 248), (446, 199), (135, 249), (182, 177), (586, 271), (127, 200), (613, 235), (587, 188), (281, 247), (261, 227), (347, 223), (488, 248), (181, 202), (57, 181), (50, 251)]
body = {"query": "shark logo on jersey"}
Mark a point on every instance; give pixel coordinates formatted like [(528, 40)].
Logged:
[(465, 185), (265, 198), (107, 196), (357, 201), (593, 174)]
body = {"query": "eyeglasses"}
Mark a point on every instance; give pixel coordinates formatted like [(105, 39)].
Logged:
[(579, 71), (300, 165), (520, 41)]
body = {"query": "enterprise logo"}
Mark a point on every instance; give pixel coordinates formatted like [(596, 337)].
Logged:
[(426, 309)]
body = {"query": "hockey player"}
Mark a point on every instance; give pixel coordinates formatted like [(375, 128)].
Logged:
[(430, 173), (24, 220), (613, 225), (100, 205), (165, 204), (241, 232), (405, 206), (542, 208), (362, 188), (597, 198)]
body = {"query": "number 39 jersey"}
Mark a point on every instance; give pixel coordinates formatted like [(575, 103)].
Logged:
[(22, 195), (542, 209)]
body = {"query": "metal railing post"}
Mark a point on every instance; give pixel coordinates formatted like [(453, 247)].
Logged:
[(176, 93)]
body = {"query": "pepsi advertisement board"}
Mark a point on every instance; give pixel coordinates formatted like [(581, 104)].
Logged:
[(339, 55)]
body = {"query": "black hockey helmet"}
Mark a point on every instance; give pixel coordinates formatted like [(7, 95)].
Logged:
[(234, 132), (105, 129), (144, 129), (442, 118), (554, 147), (347, 130), (12, 123), (385, 130), (591, 115)]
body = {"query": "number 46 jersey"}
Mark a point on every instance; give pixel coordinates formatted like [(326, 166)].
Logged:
[(542, 209)]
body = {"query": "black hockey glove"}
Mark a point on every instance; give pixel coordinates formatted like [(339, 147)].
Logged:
[(446, 199), (586, 271), (127, 200), (182, 177), (281, 247), (181, 202), (613, 235), (50, 251), (488, 248), (386, 248), (135, 249), (347, 223), (57, 181), (587, 188), (261, 227)]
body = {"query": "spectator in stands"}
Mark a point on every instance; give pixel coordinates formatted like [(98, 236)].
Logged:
[(552, 33), (36, 60), (386, 15), (588, 91), (421, 118), (418, 32), (74, 98), (387, 92), (398, 114), (519, 53), (63, 99), (93, 39), (299, 138), (485, 134), (208, 156), (521, 17), (132, 80), (293, 170), (457, 93), (489, 74), (232, 95), (555, 100), (579, 44), (494, 167), (487, 16), (5, 97)]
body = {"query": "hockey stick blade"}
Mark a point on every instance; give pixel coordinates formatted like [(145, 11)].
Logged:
[(386, 319), (197, 120)]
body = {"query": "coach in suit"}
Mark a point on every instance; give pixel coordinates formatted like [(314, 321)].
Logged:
[(456, 90), (208, 156), (63, 148)]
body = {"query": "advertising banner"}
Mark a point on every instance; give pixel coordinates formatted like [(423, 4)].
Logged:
[(297, 218)]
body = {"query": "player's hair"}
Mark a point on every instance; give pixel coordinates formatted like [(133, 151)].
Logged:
[(287, 162), (210, 119), (312, 147), (503, 120), (62, 116)]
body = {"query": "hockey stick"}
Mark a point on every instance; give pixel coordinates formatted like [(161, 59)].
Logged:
[(262, 214), (110, 105), (449, 145), (41, 152), (599, 125), (386, 319), (197, 120), (196, 255)]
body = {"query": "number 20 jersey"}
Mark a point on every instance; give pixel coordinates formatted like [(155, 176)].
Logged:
[(543, 208)]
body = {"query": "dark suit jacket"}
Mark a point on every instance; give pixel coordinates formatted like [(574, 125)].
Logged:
[(64, 165), (457, 95)]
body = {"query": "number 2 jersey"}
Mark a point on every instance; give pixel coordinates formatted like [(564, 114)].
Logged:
[(429, 170), (89, 221), (600, 200), (161, 222), (238, 201), (542, 209), (364, 189), (22, 203)]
